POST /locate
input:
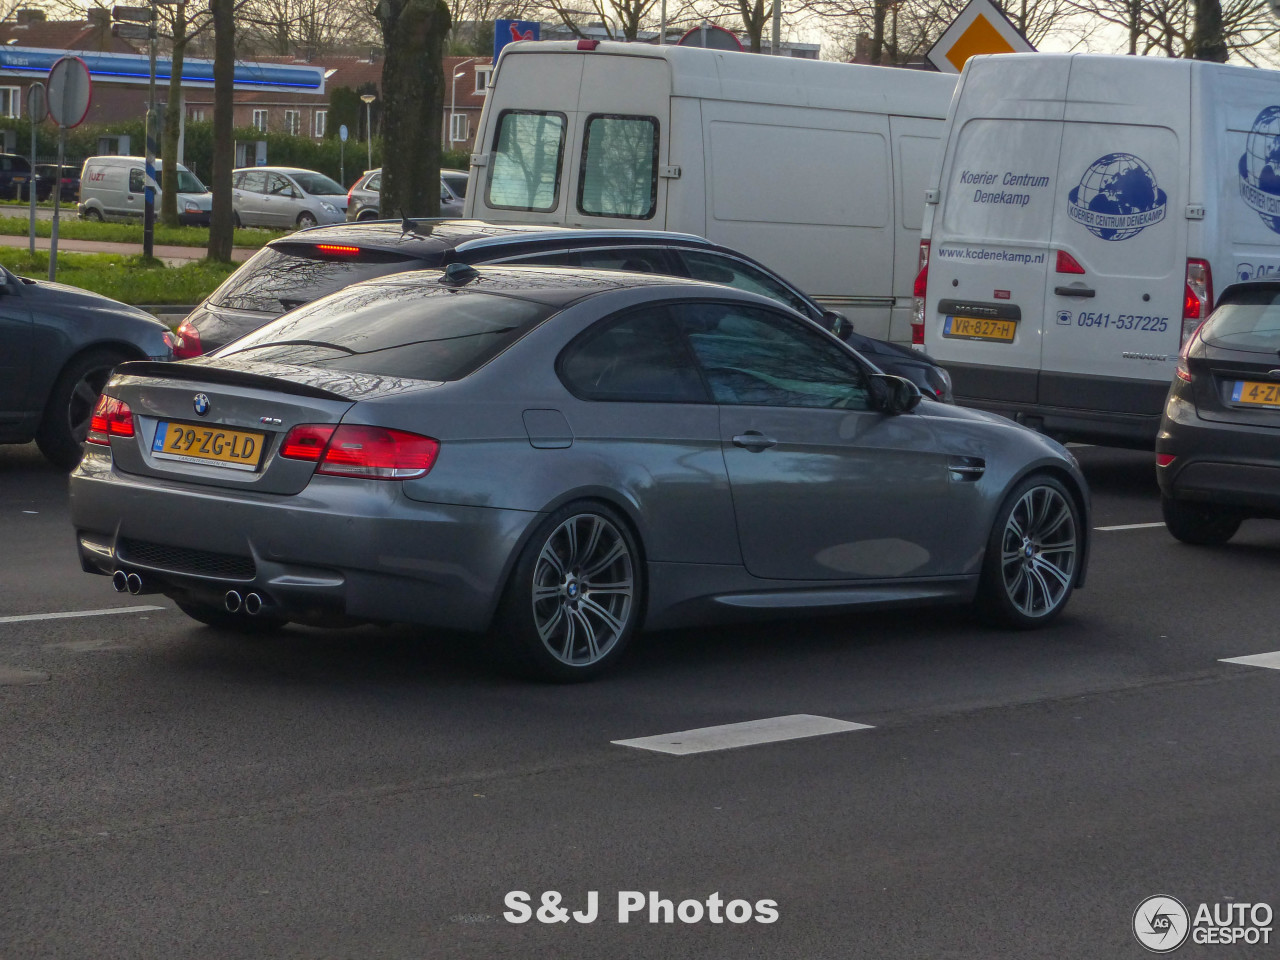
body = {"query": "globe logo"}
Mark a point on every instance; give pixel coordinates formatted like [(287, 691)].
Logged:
[(1117, 197), (1260, 168)]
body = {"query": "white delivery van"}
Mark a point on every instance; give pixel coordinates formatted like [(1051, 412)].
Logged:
[(817, 170), (1087, 209), (115, 187)]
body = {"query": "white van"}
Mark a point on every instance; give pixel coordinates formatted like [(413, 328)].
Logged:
[(817, 170), (1087, 209), (114, 187)]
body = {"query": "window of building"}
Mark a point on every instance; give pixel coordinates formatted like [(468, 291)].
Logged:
[(460, 127), (482, 79), (322, 121), (10, 102), (293, 122), (260, 121), (196, 114), (619, 167)]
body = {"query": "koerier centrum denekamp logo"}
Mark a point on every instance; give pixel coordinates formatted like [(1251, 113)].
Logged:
[(1161, 923)]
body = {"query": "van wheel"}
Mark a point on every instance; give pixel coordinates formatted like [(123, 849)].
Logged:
[(65, 423), (1202, 524), (574, 599), (1032, 555), (92, 213), (307, 219)]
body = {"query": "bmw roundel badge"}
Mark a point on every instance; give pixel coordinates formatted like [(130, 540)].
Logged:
[(201, 403)]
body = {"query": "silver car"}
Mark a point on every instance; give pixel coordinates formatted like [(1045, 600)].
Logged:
[(364, 198), (557, 458), (285, 197)]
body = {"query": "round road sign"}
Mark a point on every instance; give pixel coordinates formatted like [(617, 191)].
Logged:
[(342, 133), (37, 108), (69, 90)]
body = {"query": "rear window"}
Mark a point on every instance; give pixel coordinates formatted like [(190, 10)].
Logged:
[(1250, 322), (317, 184), (277, 279), (397, 330), (619, 167), (457, 184), (527, 153)]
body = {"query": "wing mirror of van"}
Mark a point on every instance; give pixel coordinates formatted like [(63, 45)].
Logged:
[(837, 323), (894, 395)]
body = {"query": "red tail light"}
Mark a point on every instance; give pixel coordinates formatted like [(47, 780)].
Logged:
[(1068, 264), (336, 249), (1164, 459), (351, 194), (188, 344), (111, 418), (918, 293), (1197, 298), (348, 450)]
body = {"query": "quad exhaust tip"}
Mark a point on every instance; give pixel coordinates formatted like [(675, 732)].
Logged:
[(252, 604), (134, 583), (120, 581), (232, 601)]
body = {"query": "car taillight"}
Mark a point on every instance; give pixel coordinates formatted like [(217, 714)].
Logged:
[(1067, 263), (1164, 459), (111, 418), (350, 450), (188, 344), (918, 293), (351, 195), (1197, 298)]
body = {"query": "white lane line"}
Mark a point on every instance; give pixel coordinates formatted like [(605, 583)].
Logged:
[(77, 613), (730, 735), (1133, 526), (1269, 660)]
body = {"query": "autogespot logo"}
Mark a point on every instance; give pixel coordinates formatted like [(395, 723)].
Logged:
[(1161, 924)]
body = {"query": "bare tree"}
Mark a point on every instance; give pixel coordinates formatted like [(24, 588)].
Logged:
[(288, 27), (622, 19), (180, 31), (222, 221), (1168, 27)]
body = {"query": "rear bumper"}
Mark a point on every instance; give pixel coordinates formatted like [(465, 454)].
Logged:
[(352, 549)]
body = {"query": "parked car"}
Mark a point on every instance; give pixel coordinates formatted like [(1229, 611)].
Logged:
[(69, 181), (114, 187), (300, 268), (363, 197), (59, 346), (16, 177), (1218, 450), (556, 456), (286, 197)]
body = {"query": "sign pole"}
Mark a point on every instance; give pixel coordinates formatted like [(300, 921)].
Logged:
[(35, 113), (149, 211), (57, 194)]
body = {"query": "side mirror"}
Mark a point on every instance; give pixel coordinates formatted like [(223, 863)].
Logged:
[(894, 395), (837, 323)]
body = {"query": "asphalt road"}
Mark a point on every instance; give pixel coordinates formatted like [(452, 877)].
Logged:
[(169, 792)]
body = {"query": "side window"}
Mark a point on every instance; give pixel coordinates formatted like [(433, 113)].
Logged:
[(255, 181), (137, 183), (619, 167), (637, 357), (637, 260), (757, 357), (528, 151), (714, 268), (375, 182), (237, 180), (279, 186)]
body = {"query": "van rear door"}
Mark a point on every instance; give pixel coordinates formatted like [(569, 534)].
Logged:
[(1115, 292)]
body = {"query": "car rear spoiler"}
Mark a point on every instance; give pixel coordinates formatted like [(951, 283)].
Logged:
[(280, 383)]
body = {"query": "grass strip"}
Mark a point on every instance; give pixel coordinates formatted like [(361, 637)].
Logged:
[(71, 228), (127, 279)]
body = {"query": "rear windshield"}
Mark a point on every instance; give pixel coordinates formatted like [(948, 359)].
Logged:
[(278, 279), (458, 184), (396, 330), (317, 184), (1250, 321)]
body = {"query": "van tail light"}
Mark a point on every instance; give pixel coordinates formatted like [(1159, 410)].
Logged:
[(918, 293), (1197, 298), (350, 450), (188, 344), (1067, 263), (111, 418)]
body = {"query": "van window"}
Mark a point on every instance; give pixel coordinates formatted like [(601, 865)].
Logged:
[(527, 154), (619, 167), (136, 181)]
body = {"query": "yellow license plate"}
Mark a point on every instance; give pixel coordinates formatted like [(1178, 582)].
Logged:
[(976, 328), (214, 445), (1261, 394)]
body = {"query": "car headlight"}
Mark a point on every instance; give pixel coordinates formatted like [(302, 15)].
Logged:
[(329, 207), (191, 207)]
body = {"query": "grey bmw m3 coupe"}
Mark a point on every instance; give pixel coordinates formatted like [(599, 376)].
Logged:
[(557, 459)]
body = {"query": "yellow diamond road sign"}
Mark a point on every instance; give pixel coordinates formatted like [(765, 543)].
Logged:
[(980, 28)]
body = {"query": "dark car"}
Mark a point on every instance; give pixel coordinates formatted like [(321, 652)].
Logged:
[(69, 182), (303, 266), (1218, 450), (16, 177), (58, 345), (557, 457)]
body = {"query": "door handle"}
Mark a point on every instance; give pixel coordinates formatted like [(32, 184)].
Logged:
[(1074, 292), (966, 468), (754, 440)]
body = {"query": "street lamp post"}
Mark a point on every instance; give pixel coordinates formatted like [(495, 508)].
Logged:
[(368, 99), (458, 74)]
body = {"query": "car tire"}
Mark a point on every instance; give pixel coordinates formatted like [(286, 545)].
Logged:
[(221, 620), (92, 213), (573, 601), (306, 219), (65, 422), (1202, 524), (1033, 555), (366, 215)]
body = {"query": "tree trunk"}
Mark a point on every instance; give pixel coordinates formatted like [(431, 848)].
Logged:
[(222, 224), (173, 123), (1207, 39), (414, 34), (877, 34)]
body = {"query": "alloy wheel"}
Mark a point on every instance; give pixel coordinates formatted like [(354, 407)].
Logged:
[(1038, 551)]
